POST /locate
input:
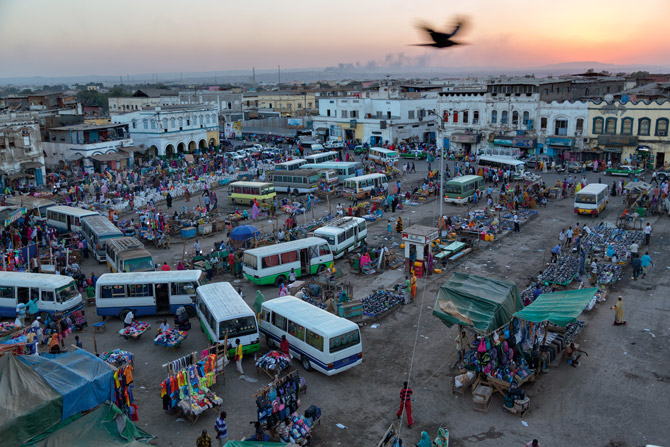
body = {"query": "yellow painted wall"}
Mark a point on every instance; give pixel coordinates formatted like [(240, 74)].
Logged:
[(213, 134)]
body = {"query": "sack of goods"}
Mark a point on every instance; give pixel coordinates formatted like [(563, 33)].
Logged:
[(274, 361), (522, 404)]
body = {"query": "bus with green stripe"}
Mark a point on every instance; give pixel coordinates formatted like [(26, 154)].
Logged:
[(272, 264), (221, 310), (343, 234), (461, 189)]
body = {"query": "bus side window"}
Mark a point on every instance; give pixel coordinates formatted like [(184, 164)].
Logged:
[(279, 321), (324, 250), (47, 295), (7, 292), (265, 315), (23, 293)]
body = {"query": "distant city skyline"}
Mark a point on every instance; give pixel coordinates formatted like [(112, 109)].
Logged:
[(74, 37)]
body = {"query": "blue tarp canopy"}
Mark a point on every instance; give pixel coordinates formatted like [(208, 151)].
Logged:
[(82, 379), (244, 232)]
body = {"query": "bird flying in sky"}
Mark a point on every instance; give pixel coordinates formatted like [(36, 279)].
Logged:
[(442, 39)]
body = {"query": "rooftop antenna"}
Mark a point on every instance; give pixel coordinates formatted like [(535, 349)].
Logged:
[(279, 77), (253, 75)]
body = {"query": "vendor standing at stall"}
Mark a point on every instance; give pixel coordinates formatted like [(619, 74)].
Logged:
[(284, 346)]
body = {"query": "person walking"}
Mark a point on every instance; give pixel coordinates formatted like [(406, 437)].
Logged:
[(406, 404), (221, 429), (516, 223), (204, 440), (645, 261), (636, 263), (647, 233), (408, 290), (618, 313), (21, 313), (412, 284), (33, 310), (168, 200), (239, 353)]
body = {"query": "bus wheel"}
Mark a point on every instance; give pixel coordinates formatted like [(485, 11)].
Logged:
[(123, 313), (306, 364), (190, 312), (320, 269), (279, 280)]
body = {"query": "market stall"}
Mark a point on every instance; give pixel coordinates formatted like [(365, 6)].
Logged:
[(170, 338), (273, 363), (135, 330), (418, 240)]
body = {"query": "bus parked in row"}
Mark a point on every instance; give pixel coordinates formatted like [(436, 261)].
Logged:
[(344, 169), (127, 254), (299, 181), (147, 293), (362, 186), (461, 189), (514, 166), (322, 157), (320, 340), (272, 264), (54, 293), (343, 234), (97, 231), (67, 218), (244, 193), (592, 199), (291, 165), (383, 156), (222, 311)]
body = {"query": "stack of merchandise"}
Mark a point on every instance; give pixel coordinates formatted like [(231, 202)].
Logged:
[(572, 330), (123, 391), (8, 326), (527, 294), (117, 357), (563, 272), (170, 338), (279, 400), (136, 329), (381, 301), (274, 361), (609, 274), (189, 388)]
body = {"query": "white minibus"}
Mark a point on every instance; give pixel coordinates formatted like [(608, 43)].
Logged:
[(272, 264), (127, 254), (54, 293), (322, 341), (383, 156), (322, 157), (147, 293), (516, 167), (221, 309), (343, 234), (344, 169), (363, 185), (97, 231), (291, 165), (299, 181), (67, 218), (592, 199)]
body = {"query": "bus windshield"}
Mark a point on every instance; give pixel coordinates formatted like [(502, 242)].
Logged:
[(66, 293), (237, 327), (344, 341), (328, 237), (267, 190)]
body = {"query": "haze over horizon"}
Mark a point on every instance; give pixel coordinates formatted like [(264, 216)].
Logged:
[(78, 37)]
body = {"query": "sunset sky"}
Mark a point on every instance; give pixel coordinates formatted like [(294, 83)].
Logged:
[(76, 37)]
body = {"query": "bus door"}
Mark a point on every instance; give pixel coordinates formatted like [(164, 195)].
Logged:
[(162, 298), (305, 261)]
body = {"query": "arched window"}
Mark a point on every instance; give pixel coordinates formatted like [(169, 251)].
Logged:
[(503, 119), (181, 122), (145, 123), (598, 126), (165, 123), (627, 126), (200, 118), (526, 117), (662, 127), (153, 123), (515, 118), (610, 126), (172, 123), (206, 119), (134, 124), (643, 126), (580, 126)]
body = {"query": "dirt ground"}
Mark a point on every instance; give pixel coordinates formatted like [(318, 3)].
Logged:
[(617, 397)]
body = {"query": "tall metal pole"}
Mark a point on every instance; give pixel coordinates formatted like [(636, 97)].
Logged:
[(441, 170)]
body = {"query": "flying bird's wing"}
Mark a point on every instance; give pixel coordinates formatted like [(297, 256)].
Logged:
[(456, 28)]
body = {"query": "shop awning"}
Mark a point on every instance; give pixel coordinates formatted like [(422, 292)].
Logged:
[(485, 304), (614, 150), (113, 156), (130, 149), (31, 165), (559, 308)]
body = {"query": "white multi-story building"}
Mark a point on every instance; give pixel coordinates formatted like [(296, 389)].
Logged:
[(562, 127), (145, 97), (171, 130), (376, 121), (228, 104), (21, 157)]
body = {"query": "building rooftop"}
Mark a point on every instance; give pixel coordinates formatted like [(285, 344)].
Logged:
[(76, 127)]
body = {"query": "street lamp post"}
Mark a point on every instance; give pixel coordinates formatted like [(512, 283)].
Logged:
[(441, 119)]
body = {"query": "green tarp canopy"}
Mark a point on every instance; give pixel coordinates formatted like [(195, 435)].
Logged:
[(485, 304), (106, 426), (559, 308), (28, 405)]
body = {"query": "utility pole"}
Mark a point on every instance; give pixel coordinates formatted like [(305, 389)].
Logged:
[(253, 75), (278, 77)]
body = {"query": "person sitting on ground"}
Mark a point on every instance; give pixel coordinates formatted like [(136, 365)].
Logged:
[(572, 353)]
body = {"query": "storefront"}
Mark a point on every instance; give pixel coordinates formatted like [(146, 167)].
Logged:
[(618, 147), (559, 148), (417, 240), (464, 141), (526, 144)]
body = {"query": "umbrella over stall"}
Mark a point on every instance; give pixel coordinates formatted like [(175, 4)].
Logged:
[(244, 232)]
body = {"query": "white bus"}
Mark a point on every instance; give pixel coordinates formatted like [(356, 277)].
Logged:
[(344, 169), (592, 199), (343, 234), (299, 181), (363, 185), (272, 264), (97, 231), (383, 156), (147, 293), (54, 293), (127, 254), (322, 341), (322, 157), (221, 309), (291, 165), (67, 218), (516, 167)]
